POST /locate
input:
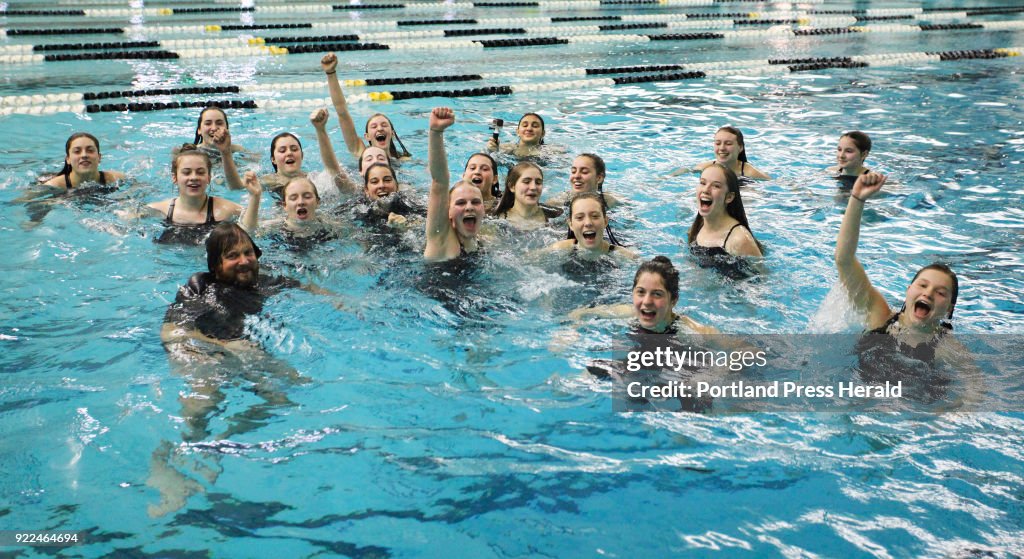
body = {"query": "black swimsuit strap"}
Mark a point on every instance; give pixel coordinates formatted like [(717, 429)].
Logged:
[(103, 178), (209, 210), (729, 233), (743, 166), (170, 211), (67, 179)]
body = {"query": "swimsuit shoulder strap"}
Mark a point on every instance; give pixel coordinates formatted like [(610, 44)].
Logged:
[(743, 167), (730, 233), (103, 178), (67, 179), (209, 210), (170, 210)]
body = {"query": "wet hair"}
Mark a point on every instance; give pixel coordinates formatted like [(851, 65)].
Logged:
[(543, 127), (508, 198), (733, 208), (66, 169), (739, 139), (860, 139), (496, 185), (225, 236), (599, 168), (284, 189), (190, 149), (662, 266), (199, 123), (604, 212), (956, 286), (273, 144), (392, 150)]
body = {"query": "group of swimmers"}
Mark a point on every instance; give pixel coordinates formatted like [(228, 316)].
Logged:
[(456, 212)]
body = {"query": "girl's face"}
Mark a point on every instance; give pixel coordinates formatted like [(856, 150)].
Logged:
[(583, 175), (529, 187), (466, 210), (287, 155), (300, 201), (531, 130), (727, 148), (380, 182), (374, 154), (652, 303), (479, 172), (83, 156), (848, 156), (192, 176), (587, 221), (212, 122), (379, 132), (713, 192), (929, 298)]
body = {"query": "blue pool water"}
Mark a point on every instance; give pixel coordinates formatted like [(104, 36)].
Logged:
[(456, 423)]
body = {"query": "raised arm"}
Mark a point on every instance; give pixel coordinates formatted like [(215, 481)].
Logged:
[(327, 156), (862, 294), (250, 219), (438, 224), (222, 141), (348, 128)]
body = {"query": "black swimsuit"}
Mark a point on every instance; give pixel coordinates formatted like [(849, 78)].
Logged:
[(731, 266), (67, 180), (846, 181), (884, 358), (187, 233)]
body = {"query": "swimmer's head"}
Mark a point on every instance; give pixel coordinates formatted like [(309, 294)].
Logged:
[(286, 153), (932, 294), (381, 133), (655, 293), (729, 145), (81, 153), (482, 171), (300, 199), (710, 197), (190, 170), (852, 150), (379, 181), (371, 155), (587, 173), (232, 256), (531, 129), (211, 120), (523, 184), (465, 209), (587, 218)]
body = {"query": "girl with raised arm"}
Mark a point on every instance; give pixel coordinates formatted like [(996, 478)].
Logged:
[(379, 131), (931, 295), (453, 217)]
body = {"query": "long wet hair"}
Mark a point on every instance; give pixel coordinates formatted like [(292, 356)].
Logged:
[(273, 144), (739, 139), (543, 127), (199, 123), (66, 169), (662, 266), (941, 267), (604, 212), (496, 185), (508, 198), (223, 237), (860, 139), (392, 150), (190, 149), (733, 208)]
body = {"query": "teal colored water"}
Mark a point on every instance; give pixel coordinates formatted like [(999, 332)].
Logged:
[(456, 421)]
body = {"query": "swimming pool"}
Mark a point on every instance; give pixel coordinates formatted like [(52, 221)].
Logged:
[(426, 425)]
